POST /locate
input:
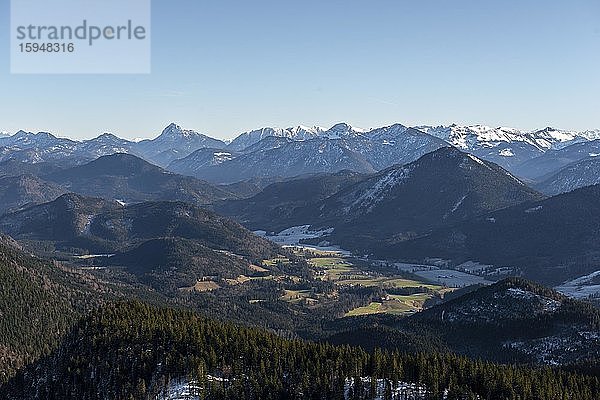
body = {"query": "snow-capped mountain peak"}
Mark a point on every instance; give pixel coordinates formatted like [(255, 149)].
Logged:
[(300, 132), (174, 130), (592, 134), (466, 137), (342, 130), (23, 139), (306, 132), (108, 137), (388, 134), (552, 137)]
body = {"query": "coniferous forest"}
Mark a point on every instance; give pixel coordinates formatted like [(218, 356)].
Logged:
[(131, 350)]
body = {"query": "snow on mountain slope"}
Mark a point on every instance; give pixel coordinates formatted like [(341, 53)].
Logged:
[(508, 147), (440, 187), (471, 137), (343, 130), (288, 158), (387, 134), (201, 158), (381, 147), (367, 199), (339, 148), (581, 287), (36, 147), (507, 301), (247, 139), (298, 133), (26, 140)]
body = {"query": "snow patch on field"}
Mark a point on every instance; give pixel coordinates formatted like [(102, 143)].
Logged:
[(473, 267), (582, 287), (294, 235)]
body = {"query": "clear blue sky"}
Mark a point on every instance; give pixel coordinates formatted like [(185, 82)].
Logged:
[(221, 67)]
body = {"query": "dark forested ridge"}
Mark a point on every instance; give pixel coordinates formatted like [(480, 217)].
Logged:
[(514, 321), (39, 302), (511, 321), (132, 350), (20, 190), (96, 225), (168, 264), (130, 179), (551, 240), (288, 203)]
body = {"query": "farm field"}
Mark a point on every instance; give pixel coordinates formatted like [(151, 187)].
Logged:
[(405, 289), (344, 273)]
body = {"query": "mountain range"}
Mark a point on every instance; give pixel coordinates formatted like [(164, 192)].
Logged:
[(398, 203), (277, 152), (431, 207), (120, 177)]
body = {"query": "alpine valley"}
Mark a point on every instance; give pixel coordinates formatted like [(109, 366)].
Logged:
[(397, 262)]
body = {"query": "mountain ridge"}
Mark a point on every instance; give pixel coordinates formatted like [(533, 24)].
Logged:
[(509, 147)]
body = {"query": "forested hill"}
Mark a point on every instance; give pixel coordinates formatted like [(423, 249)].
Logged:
[(41, 300), (132, 351)]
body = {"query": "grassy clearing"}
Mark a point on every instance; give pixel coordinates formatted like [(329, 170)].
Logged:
[(296, 296), (202, 286), (385, 282), (333, 267), (309, 253), (393, 306), (274, 261), (372, 308), (239, 280), (256, 268), (414, 301), (329, 262), (343, 273)]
